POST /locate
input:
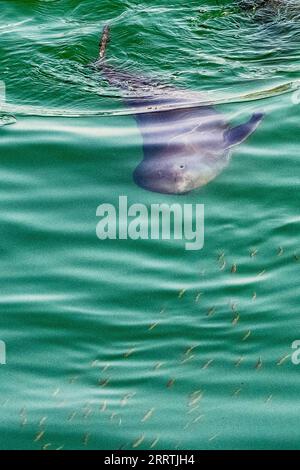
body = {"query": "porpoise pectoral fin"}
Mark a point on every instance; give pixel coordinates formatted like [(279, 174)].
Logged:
[(237, 135)]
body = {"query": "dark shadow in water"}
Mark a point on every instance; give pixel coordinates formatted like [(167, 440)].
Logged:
[(272, 10)]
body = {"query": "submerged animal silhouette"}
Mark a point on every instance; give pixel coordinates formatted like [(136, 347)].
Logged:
[(272, 10), (185, 146), (254, 4)]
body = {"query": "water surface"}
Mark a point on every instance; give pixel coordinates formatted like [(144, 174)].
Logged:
[(140, 344)]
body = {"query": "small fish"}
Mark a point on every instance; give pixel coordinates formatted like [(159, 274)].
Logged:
[(114, 416), (247, 335), (47, 446), (262, 273), (139, 441), (148, 415), (24, 421), (236, 319), (170, 383), (259, 364), (129, 353), (104, 407), (190, 350), (39, 436), (269, 399), (195, 398), (86, 439), (154, 443), (159, 365), (193, 409), (42, 421), (206, 366), (197, 419), (126, 398), (222, 261), (223, 265), (95, 363), (234, 268), (239, 361), (72, 380), (104, 382), (87, 413), (187, 359), (181, 293), (280, 251), (253, 253), (72, 416), (211, 311), (154, 325), (283, 359)]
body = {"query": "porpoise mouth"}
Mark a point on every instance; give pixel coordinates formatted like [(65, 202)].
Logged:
[(171, 184)]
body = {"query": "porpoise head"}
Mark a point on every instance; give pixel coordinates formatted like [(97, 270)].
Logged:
[(181, 167), (178, 172)]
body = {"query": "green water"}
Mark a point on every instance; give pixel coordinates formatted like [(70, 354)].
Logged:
[(140, 344)]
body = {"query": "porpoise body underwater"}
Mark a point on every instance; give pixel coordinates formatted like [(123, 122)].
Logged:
[(185, 146)]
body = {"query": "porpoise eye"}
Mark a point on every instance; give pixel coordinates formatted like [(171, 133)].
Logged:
[(182, 167)]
